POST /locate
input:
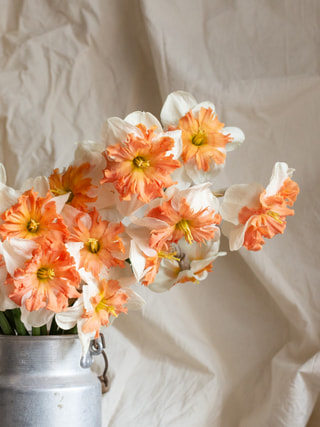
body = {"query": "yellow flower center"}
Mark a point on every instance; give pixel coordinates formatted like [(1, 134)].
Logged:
[(140, 162), (103, 305), (168, 255), (183, 225), (199, 138), (275, 216), (45, 273), (33, 226), (93, 245)]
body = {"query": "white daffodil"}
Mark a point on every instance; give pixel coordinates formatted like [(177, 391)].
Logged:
[(191, 264)]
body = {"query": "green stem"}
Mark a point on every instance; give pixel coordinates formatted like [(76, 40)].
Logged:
[(20, 328), (35, 331), (5, 325), (41, 330), (54, 328), (10, 318), (71, 331)]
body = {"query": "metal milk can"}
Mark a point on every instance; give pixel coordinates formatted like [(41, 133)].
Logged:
[(43, 385)]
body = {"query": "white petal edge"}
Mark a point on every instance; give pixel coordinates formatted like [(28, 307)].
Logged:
[(3, 174), (145, 118), (116, 130), (280, 173), (176, 105), (237, 137)]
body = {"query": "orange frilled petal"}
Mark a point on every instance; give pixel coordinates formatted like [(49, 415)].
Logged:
[(141, 165), (289, 191), (33, 217), (270, 218), (202, 139), (193, 226), (109, 301), (47, 280), (74, 182), (101, 241)]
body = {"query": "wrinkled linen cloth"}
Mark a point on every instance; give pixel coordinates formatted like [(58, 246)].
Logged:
[(242, 348)]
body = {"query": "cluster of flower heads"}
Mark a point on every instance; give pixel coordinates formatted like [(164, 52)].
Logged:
[(137, 207)]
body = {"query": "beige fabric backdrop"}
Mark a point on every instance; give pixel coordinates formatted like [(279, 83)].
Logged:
[(241, 349)]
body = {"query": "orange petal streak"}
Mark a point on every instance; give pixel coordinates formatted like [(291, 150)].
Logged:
[(72, 181), (141, 166), (33, 217), (47, 280), (202, 139), (101, 242), (109, 301), (185, 222)]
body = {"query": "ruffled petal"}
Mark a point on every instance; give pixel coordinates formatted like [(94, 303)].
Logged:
[(236, 197)]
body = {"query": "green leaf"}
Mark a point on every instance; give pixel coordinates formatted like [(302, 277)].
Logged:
[(5, 325), (19, 326)]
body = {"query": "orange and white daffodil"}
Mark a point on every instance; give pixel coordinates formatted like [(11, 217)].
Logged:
[(110, 300), (102, 246), (191, 214), (205, 139), (254, 213), (144, 260), (191, 264), (140, 156), (100, 303), (9, 196), (33, 217), (74, 182), (13, 254), (47, 280), (45, 283)]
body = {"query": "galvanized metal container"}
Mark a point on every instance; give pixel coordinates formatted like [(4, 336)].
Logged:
[(43, 385)]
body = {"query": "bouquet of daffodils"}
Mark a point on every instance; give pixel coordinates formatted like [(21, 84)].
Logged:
[(138, 207)]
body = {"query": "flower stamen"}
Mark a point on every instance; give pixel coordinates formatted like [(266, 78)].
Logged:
[(199, 138), (168, 255), (93, 245), (275, 216), (45, 273), (33, 226), (141, 163), (183, 225)]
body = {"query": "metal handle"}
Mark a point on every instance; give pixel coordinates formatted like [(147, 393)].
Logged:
[(96, 348)]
